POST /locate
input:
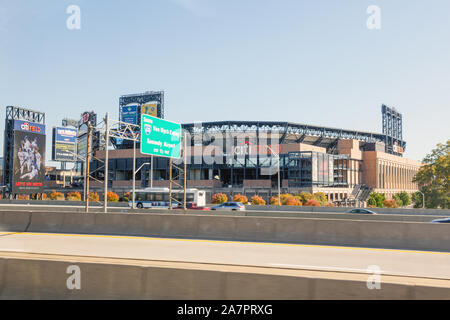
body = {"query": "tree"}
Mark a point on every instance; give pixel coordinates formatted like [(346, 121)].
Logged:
[(433, 177)]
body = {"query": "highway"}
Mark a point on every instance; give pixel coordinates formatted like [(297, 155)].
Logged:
[(269, 255)]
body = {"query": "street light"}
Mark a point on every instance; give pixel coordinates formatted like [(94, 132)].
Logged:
[(134, 179), (423, 199), (279, 183)]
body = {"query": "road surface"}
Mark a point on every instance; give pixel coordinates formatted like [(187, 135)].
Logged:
[(271, 255)]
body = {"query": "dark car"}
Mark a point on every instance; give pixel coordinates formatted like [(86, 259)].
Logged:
[(362, 211), (445, 220)]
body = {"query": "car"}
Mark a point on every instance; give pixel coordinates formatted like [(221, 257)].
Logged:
[(445, 220), (362, 211), (191, 206), (230, 206)]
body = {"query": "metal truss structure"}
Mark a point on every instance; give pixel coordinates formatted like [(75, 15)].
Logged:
[(288, 132), (15, 113), (142, 98), (392, 128)]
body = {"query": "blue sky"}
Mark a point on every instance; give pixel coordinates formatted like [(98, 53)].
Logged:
[(312, 62)]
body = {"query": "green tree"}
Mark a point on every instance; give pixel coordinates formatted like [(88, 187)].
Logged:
[(433, 177)]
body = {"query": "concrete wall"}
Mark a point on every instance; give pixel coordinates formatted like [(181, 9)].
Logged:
[(24, 276), (377, 234)]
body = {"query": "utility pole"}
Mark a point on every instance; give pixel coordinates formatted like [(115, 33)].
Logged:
[(88, 146), (185, 172), (151, 173), (279, 173), (105, 208), (170, 184), (134, 171)]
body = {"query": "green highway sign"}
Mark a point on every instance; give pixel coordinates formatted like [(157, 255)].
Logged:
[(160, 137)]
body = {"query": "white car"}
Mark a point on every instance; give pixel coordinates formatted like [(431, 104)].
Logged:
[(230, 206)]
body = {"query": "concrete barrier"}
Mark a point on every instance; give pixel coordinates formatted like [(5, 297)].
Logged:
[(11, 221), (440, 212), (377, 234), (25, 276)]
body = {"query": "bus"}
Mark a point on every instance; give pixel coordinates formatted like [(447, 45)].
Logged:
[(159, 197)]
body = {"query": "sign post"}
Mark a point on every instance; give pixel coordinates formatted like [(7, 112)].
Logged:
[(161, 138)]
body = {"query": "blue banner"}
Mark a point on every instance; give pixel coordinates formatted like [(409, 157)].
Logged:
[(27, 126), (67, 135), (129, 114)]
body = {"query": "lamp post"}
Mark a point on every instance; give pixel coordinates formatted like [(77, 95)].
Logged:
[(423, 199), (279, 173), (134, 179)]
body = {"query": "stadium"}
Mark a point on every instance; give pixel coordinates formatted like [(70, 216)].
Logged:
[(245, 157)]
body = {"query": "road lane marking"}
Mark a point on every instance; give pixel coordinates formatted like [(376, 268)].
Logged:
[(228, 242)]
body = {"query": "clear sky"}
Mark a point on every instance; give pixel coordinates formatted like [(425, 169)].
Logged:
[(305, 61)]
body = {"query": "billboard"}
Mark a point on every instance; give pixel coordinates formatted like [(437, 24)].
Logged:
[(160, 137), (129, 113), (82, 147), (64, 144), (29, 157), (150, 108)]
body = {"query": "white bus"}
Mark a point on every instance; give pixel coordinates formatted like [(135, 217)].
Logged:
[(159, 197)]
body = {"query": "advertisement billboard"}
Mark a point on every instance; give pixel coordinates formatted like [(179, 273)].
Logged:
[(29, 157), (129, 114), (64, 144), (81, 147), (150, 108)]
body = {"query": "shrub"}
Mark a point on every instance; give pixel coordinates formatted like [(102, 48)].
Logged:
[(292, 201), (417, 199), (219, 198), (305, 196), (73, 196), (284, 197), (398, 200), (403, 198), (312, 203), (274, 201), (112, 197), (390, 203), (23, 197), (56, 195), (240, 198), (321, 198), (256, 200), (93, 196), (376, 199)]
